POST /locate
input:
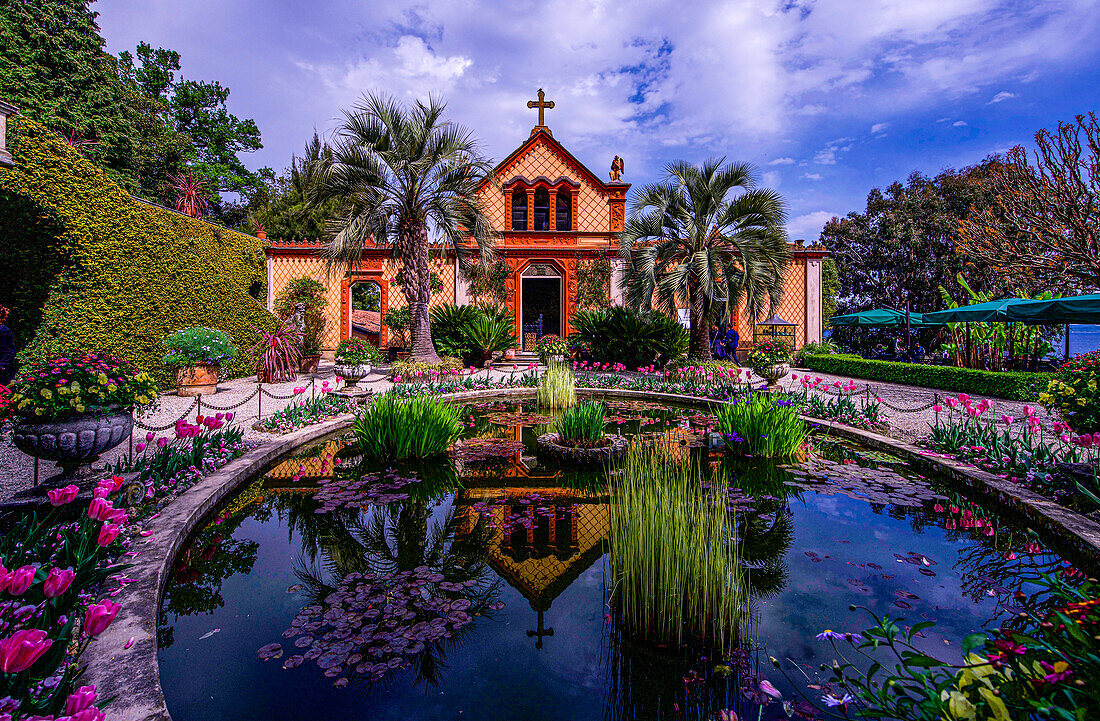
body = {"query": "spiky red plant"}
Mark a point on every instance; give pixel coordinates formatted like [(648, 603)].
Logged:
[(190, 193)]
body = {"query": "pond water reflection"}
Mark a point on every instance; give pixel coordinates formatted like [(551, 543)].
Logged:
[(476, 586)]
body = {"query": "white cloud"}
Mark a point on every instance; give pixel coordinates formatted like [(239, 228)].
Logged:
[(828, 154), (1002, 96), (878, 128), (959, 124), (782, 161), (771, 179), (808, 226), (811, 176)]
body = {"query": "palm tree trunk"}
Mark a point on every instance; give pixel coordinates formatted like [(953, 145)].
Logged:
[(413, 237), (699, 345)]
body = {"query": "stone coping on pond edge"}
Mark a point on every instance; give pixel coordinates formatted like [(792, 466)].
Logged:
[(131, 677)]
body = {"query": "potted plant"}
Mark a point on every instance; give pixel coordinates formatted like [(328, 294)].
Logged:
[(196, 355), (314, 329), (354, 358), (551, 348), (771, 360), (72, 409), (276, 354), (307, 295)]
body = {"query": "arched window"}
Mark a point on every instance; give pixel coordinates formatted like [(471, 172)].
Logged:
[(564, 211), (519, 210), (542, 209)]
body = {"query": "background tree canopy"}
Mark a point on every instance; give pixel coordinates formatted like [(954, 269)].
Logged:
[(134, 116)]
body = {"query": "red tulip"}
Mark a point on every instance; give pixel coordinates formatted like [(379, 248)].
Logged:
[(57, 582), (20, 580), (107, 534), (19, 651), (61, 496), (99, 616)]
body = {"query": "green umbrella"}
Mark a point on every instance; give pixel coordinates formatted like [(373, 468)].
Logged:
[(880, 318), (1074, 309), (994, 311)]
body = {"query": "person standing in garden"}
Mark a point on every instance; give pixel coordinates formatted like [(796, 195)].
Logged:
[(7, 348)]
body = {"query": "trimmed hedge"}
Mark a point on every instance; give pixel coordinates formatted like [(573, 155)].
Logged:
[(122, 273), (1015, 386)]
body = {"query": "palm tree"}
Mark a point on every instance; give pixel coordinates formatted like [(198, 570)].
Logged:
[(695, 241), (399, 173)]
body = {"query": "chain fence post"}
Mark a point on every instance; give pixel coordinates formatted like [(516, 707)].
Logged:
[(259, 401), (198, 407)]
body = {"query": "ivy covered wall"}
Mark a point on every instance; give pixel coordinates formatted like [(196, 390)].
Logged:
[(96, 270)]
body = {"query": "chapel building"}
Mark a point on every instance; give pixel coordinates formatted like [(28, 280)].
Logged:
[(552, 215)]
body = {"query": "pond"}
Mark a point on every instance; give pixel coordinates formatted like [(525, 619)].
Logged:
[(476, 586)]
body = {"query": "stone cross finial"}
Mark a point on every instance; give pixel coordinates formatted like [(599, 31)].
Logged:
[(542, 104)]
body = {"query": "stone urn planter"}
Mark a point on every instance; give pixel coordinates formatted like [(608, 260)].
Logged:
[(352, 373), (73, 441), (308, 363), (197, 379), (614, 449), (773, 373)]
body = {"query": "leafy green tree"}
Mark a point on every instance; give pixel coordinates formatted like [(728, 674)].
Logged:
[(707, 239), (283, 207), (54, 68), (397, 174)]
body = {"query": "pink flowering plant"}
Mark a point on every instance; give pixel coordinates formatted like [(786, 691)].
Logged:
[(355, 351), (68, 386), (51, 568), (307, 411), (839, 401), (768, 353)]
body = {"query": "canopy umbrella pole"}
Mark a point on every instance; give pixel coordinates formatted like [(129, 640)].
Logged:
[(966, 360), (908, 331), (1067, 341)]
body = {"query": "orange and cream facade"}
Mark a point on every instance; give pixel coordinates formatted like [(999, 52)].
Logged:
[(552, 214)]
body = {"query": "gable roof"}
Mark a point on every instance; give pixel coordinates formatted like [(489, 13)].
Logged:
[(541, 136)]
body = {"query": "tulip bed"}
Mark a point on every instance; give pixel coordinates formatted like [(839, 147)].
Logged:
[(846, 407), (307, 412), (60, 563)]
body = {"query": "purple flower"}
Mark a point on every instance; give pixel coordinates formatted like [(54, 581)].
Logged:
[(830, 635), (832, 701)]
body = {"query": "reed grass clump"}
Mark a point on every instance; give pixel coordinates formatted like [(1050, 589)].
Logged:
[(557, 387), (581, 425), (759, 425), (675, 566), (393, 429)]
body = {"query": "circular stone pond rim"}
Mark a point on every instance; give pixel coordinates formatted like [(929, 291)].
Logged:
[(131, 677)]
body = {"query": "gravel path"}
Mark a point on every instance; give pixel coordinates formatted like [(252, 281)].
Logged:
[(17, 469)]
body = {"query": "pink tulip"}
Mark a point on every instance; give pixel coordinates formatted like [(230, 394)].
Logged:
[(80, 699), (19, 651), (1096, 439), (100, 509), (229, 415), (937, 408), (1008, 419), (963, 398), (952, 402), (1029, 411), (99, 616), (150, 436), (139, 447), (20, 580), (162, 442), (61, 496), (107, 534), (57, 582)]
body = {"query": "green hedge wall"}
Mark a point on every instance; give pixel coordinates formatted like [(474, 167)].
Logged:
[(1012, 386), (121, 273)]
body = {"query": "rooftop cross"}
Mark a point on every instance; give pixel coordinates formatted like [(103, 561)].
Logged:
[(542, 104)]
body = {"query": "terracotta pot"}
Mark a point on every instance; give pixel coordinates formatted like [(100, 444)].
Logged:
[(193, 380), (75, 440), (510, 354), (308, 363)]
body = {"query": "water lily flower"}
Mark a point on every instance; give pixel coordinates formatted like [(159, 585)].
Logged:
[(19, 651), (57, 582), (99, 616), (79, 700), (61, 496)]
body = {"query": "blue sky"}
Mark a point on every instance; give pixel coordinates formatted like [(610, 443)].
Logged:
[(827, 98)]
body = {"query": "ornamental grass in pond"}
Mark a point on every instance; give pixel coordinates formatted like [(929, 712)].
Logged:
[(557, 387), (393, 429), (581, 425), (762, 425), (676, 570)]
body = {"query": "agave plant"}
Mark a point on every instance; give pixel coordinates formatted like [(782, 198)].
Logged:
[(277, 353), (489, 335)]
